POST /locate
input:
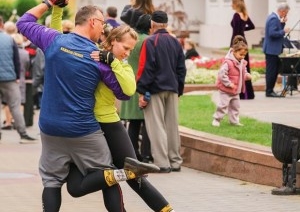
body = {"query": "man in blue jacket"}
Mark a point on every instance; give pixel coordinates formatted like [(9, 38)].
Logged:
[(69, 131), (273, 45)]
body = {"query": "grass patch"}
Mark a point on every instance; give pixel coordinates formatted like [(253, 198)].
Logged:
[(196, 111)]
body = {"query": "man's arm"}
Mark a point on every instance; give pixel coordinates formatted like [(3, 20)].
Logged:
[(145, 73), (110, 80), (38, 34), (181, 71), (274, 30)]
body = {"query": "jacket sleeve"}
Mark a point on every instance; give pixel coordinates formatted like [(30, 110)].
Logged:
[(125, 76), (181, 72), (56, 18), (275, 28), (146, 68), (16, 58), (110, 80), (38, 34)]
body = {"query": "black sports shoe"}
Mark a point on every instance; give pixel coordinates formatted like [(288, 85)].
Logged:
[(139, 168), (26, 139)]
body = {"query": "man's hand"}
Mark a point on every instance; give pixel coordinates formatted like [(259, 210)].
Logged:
[(106, 57)]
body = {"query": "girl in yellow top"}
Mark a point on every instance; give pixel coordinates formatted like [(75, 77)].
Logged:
[(118, 46)]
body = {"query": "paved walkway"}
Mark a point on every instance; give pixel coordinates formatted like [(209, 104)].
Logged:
[(190, 190)]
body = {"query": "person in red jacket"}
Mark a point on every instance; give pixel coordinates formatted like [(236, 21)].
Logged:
[(231, 82)]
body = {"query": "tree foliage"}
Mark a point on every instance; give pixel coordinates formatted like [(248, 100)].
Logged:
[(6, 8), (22, 6)]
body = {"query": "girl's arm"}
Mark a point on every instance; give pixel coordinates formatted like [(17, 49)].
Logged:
[(56, 18), (35, 32), (125, 76)]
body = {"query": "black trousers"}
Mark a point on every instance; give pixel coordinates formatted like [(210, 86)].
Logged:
[(272, 66), (135, 127), (28, 106)]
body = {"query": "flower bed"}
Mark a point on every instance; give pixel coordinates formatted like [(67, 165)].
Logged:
[(204, 70)]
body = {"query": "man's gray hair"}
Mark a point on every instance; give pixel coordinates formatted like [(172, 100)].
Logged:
[(159, 25), (283, 6)]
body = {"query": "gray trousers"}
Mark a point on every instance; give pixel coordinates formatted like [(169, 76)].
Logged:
[(88, 153), (11, 95), (161, 117), (228, 103)]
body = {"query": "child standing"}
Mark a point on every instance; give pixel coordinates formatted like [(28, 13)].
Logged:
[(231, 82)]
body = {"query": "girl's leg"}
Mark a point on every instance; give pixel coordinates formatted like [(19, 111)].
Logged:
[(222, 106), (120, 146), (234, 110), (78, 186)]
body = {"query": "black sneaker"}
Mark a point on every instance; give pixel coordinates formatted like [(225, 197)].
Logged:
[(139, 168), (26, 139)]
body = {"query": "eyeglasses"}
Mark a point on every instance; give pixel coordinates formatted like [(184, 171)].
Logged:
[(102, 21)]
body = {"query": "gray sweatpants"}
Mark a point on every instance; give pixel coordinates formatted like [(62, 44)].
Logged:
[(228, 103), (87, 152), (11, 95)]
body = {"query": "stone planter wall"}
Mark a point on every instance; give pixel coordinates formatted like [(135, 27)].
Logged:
[(230, 158)]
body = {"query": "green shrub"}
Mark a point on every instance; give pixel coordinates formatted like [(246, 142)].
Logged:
[(6, 9)]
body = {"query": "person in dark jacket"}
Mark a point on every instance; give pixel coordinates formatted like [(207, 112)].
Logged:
[(190, 48), (273, 45), (135, 9), (162, 73)]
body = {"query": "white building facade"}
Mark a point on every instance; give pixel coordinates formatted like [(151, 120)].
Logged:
[(207, 22)]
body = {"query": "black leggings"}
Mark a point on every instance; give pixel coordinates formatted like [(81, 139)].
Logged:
[(120, 147), (79, 185)]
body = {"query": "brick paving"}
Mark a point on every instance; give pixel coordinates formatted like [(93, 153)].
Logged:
[(190, 190)]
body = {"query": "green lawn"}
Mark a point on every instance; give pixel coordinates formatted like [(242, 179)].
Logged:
[(195, 112)]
